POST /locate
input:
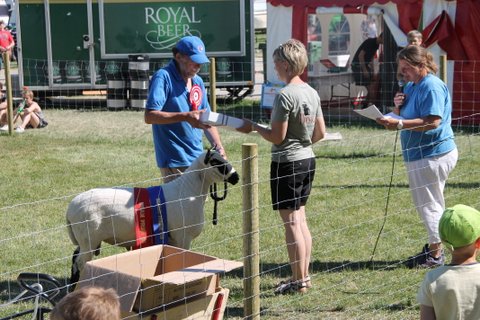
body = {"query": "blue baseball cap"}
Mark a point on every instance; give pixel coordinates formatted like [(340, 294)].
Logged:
[(193, 47)]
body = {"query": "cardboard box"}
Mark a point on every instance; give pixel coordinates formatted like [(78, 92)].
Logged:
[(206, 308), (218, 119), (155, 276)]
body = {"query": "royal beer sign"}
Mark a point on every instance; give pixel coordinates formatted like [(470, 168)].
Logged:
[(154, 27)]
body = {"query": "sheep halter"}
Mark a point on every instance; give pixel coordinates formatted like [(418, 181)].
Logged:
[(216, 199)]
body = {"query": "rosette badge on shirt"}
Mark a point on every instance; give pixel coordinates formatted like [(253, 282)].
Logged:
[(196, 96)]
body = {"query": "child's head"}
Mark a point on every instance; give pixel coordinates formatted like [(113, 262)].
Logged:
[(28, 94), (88, 303), (459, 226), (415, 37)]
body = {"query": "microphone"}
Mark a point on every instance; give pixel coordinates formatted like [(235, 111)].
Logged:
[(401, 84)]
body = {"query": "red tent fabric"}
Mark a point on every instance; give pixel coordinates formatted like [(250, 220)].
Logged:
[(467, 27), (442, 31), (460, 42), (466, 81), (411, 12)]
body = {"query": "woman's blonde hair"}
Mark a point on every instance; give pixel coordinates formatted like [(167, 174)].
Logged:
[(418, 57), (88, 303), (295, 54)]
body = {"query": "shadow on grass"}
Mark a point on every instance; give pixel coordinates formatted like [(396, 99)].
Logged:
[(282, 270), (233, 312), (360, 186), (456, 185), (360, 155)]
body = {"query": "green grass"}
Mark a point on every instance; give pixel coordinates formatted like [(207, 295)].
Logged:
[(43, 169)]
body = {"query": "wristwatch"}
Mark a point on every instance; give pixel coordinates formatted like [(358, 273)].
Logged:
[(400, 125)]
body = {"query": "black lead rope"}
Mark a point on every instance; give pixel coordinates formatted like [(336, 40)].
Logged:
[(388, 197), (216, 198)]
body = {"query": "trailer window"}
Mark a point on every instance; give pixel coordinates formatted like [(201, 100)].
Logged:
[(314, 46), (339, 35)]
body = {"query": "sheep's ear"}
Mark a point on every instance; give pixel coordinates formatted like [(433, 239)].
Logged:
[(207, 156), (209, 153)]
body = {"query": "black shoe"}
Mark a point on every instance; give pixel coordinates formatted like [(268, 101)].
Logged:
[(425, 260)]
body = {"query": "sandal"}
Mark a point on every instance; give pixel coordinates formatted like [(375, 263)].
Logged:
[(289, 287), (307, 280)]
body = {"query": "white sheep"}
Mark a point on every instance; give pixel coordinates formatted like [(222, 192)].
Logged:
[(107, 214)]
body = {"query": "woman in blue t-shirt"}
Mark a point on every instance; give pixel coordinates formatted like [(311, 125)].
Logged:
[(428, 145)]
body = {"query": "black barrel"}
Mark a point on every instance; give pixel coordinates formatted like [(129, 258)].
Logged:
[(117, 86), (139, 74)]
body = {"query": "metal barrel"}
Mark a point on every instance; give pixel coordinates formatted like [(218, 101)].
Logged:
[(117, 86), (139, 74), (117, 94)]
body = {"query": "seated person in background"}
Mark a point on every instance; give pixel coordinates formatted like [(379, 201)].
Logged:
[(452, 291), (28, 111), (3, 109), (88, 303), (362, 66), (414, 37)]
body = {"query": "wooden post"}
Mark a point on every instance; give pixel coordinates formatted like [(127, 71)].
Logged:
[(251, 253), (443, 68), (213, 85), (8, 83)]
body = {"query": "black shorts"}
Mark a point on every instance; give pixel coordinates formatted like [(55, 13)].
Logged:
[(359, 77), (43, 123), (291, 183)]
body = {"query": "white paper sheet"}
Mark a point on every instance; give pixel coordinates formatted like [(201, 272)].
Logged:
[(373, 113), (217, 119), (393, 115), (370, 112)]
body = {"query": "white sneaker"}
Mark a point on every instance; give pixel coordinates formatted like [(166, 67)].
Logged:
[(4, 128), (19, 130)]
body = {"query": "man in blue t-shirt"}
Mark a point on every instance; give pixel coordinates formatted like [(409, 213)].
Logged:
[(177, 97)]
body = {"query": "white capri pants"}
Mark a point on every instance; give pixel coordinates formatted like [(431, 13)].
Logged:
[(427, 178)]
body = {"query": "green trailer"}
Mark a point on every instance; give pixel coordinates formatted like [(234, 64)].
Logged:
[(69, 46)]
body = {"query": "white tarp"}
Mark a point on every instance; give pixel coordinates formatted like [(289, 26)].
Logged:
[(260, 14), (279, 30)]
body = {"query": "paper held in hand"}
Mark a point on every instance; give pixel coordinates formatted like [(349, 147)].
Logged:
[(373, 113), (218, 119)]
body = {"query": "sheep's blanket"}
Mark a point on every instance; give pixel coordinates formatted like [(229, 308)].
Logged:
[(150, 222)]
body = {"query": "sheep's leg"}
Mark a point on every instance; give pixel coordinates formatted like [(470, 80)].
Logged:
[(180, 238), (79, 259), (75, 272)]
